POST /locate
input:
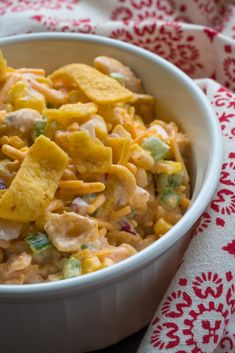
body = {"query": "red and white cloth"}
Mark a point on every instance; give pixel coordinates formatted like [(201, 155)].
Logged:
[(197, 314)]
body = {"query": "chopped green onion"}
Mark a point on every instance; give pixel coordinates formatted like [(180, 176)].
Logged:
[(89, 197), (87, 246), (132, 214), (170, 198), (161, 181), (38, 241), (157, 147), (118, 77), (71, 268), (168, 181), (84, 246), (39, 128), (50, 106), (102, 211), (175, 180)]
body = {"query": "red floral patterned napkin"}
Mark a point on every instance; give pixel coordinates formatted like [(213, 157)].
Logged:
[(197, 314)]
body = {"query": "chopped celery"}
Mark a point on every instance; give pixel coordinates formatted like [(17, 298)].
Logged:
[(39, 128), (171, 181), (71, 268), (157, 148), (118, 77), (170, 198), (38, 241)]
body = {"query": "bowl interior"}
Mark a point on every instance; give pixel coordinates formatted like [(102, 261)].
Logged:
[(177, 99)]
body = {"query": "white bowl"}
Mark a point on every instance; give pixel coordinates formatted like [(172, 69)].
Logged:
[(99, 309)]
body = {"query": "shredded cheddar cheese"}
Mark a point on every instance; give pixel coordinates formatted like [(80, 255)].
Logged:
[(88, 176)]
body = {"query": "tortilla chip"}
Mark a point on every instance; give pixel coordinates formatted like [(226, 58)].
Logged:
[(120, 147), (98, 87), (35, 183), (68, 113), (89, 154)]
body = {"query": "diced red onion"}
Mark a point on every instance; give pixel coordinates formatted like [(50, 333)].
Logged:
[(127, 227)]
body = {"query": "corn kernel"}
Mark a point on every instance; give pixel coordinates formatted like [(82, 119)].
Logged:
[(83, 254), (184, 202), (141, 178), (167, 167), (161, 227), (4, 140), (55, 276), (90, 264), (141, 158), (107, 262), (36, 102), (132, 167)]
